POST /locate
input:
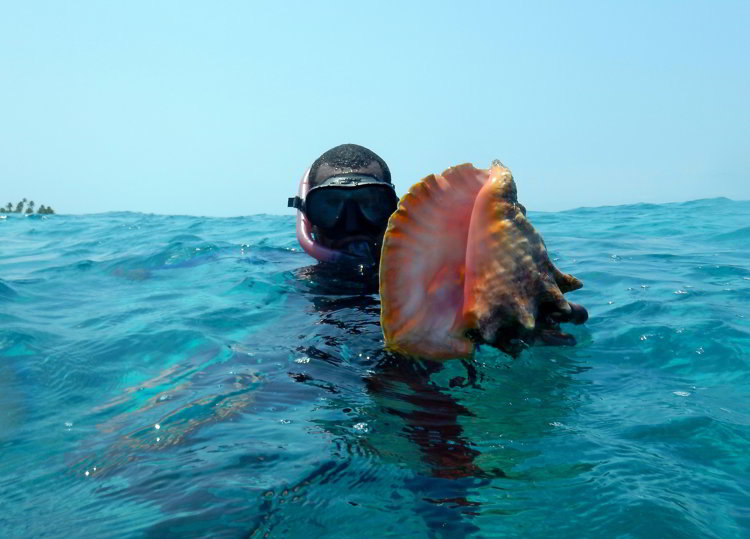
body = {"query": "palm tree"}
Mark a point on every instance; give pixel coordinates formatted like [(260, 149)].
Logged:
[(9, 207), (30, 208), (42, 210), (19, 206)]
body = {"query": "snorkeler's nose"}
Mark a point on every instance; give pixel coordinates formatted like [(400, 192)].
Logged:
[(351, 222)]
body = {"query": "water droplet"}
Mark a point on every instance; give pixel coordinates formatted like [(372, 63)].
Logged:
[(87, 473), (556, 424), (285, 421), (680, 292), (681, 393), (68, 424), (157, 426), (644, 286), (302, 360), (158, 439), (362, 427), (611, 302), (644, 338), (700, 350)]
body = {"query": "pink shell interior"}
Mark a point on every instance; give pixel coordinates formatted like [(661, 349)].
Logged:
[(423, 265)]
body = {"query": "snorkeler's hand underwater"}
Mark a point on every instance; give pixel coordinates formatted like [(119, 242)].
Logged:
[(461, 265)]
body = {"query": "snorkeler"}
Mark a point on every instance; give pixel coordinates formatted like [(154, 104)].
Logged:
[(344, 202)]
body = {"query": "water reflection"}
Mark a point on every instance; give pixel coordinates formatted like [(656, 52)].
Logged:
[(409, 433), (402, 387), (404, 404)]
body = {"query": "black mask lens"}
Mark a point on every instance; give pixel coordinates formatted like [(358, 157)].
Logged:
[(324, 207), (377, 205)]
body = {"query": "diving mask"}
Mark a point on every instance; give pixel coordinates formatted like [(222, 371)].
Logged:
[(326, 203)]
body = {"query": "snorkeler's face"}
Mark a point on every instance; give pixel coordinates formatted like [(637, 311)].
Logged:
[(352, 215)]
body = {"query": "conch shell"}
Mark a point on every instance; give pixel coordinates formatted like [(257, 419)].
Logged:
[(461, 265)]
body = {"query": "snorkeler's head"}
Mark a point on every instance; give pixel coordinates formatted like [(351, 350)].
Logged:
[(350, 200)]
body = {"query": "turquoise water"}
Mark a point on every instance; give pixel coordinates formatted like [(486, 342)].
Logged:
[(185, 376)]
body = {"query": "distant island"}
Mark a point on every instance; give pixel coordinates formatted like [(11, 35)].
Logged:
[(29, 204)]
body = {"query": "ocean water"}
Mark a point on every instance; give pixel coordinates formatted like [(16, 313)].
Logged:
[(186, 376)]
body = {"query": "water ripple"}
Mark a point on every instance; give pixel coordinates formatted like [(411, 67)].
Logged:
[(176, 375)]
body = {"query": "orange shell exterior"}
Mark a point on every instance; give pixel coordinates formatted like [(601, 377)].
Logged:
[(508, 271)]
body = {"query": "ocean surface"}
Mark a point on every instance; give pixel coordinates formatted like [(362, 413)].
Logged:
[(188, 376)]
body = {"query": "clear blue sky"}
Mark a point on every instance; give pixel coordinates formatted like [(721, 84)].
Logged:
[(216, 108)]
